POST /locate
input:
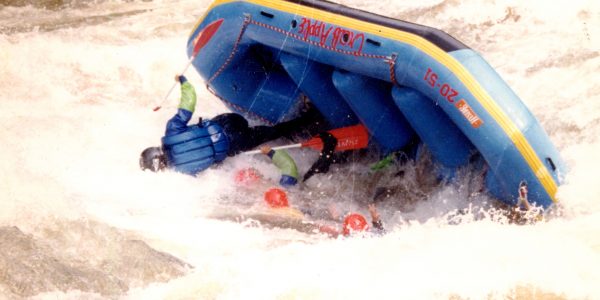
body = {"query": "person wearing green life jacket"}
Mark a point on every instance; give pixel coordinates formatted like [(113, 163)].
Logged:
[(397, 158), (285, 163)]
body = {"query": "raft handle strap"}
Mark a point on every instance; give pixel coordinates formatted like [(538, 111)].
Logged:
[(551, 163), (266, 14), (373, 42)]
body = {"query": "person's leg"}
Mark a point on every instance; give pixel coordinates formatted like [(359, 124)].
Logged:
[(259, 135), (243, 138), (326, 156), (308, 124)]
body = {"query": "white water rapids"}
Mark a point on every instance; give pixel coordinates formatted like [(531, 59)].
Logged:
[(79, 220)]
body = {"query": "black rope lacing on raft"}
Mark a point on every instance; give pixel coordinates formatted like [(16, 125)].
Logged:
[(247, 20), (392, 62), (229, 59)]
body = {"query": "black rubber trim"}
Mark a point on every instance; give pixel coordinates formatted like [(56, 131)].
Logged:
[(438, 37), (373, 42), (552, 165), (266, 14)]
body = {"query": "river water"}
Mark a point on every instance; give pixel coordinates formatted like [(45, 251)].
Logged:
[(79, 220)]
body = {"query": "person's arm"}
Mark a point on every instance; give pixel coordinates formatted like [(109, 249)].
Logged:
[(282, 160), (329, 230), (325, 157), (334, 213), (267, 150), (188, 95), (185, 110), (375, 218)]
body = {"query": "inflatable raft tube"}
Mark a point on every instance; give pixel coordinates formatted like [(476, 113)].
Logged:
[(401, 80)]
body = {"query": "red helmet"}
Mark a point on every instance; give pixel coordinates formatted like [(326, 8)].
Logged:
[(354, 222), (247, 176), (276, 198)]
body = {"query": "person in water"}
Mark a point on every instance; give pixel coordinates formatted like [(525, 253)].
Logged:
[(354, 223), (191, 149), (350, 222), (285, 163)]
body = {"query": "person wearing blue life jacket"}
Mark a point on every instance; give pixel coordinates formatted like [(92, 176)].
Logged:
[(191, 149)]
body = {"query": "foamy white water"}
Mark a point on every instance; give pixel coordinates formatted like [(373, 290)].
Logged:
[(77, 87)]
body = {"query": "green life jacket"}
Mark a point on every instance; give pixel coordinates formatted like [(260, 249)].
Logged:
[(285, 163)]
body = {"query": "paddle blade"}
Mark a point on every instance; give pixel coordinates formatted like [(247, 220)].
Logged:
[(348, 138), (205, 35)]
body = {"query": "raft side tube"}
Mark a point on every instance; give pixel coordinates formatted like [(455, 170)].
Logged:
[(254, 83), (243, 73), (314, 80), (447, 144), (224, 41), (522, 117), (371, 100), (479, 111), (493, 187)]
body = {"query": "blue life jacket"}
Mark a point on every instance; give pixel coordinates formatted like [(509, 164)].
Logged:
[(196, 148)]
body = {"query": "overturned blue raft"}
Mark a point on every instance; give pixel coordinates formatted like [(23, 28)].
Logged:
[(401, 80)]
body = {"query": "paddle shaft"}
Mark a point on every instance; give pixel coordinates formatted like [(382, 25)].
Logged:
[(203, 37), (189, 63), (275, 148)]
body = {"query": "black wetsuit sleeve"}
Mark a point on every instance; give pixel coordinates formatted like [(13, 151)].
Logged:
[(325, 157)]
